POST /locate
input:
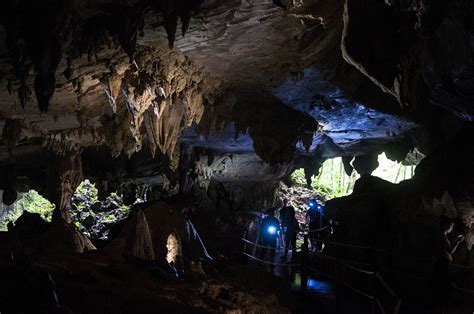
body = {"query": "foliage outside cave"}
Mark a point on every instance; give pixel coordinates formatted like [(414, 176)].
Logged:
[(92, 216), (332, 181), (95, 217), (31, 202)]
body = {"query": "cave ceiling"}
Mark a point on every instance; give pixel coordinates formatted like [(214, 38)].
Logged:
[(248, 78)]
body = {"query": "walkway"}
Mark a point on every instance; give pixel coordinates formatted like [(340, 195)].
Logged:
[(346, 286)]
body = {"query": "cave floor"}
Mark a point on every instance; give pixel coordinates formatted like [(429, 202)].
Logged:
[(35, 282), (92, 283)]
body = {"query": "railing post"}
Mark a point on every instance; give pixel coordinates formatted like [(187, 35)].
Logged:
[(254, 251), (304, 260), (319, 233), (338, 287), (244, 258), (372, 286)]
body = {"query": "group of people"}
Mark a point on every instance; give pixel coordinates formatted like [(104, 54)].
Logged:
[(287, 227)]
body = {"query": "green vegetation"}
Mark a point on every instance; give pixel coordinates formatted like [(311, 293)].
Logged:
[(332, 181), (329, 183), (31, 202), (93, 216)]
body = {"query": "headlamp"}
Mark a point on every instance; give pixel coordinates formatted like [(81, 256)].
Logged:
[(271, 229), (314, 205)]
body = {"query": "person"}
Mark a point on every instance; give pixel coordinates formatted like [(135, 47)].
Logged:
[(315, 216), (285, 216), (289, 227), (444, 260), (269, 231)]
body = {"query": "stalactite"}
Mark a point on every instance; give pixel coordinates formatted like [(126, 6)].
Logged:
[(366, 164), (279, 3), (44, 39), (8, 183), (77, 85), (172, 10), (312, 165), (161, 96), (346, 161), (262, 116), (125, 23), (171, 22), (11, 134), (46, 54), (24, 94), (37, 35)]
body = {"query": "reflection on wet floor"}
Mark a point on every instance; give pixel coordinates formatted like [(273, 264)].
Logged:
[(320, 286), (323, 287), (284, 269)]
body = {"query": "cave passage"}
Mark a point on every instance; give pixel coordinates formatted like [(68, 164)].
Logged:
[(203, 156)]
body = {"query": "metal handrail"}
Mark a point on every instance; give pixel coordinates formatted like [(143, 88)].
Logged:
[(375, 274), (316, 230), (363, 271), (323, 256), (262, 246), (385, 252), (267, 262), (341, 261), (463, 289), (385, 285), (359, 291)]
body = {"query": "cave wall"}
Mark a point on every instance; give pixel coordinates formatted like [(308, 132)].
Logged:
[(109, 87), (225, 209)]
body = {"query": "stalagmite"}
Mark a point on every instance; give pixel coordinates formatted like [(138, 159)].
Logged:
[(146, 235), (254, 103)]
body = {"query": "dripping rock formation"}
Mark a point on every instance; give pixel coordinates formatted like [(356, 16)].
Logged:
[(196, 114)]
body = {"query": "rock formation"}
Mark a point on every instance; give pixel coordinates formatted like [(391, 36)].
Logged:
[(219, 117)]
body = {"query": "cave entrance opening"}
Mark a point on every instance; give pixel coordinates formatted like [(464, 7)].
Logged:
[(31, 202), (332, 181)]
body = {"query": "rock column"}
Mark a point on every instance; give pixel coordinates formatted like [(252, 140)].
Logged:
[(63, 178)]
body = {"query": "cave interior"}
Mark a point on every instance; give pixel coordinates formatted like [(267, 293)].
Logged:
[(151, 136)]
